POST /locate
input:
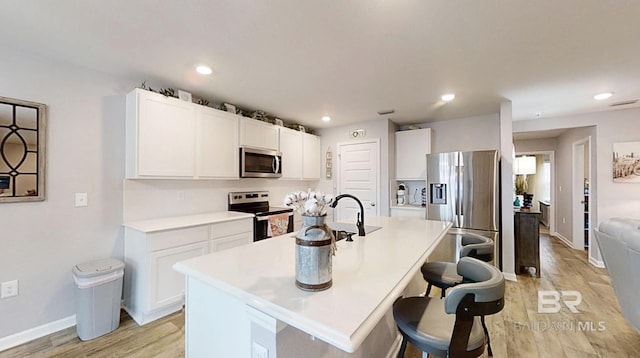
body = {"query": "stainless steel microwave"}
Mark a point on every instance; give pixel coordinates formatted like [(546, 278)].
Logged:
[(260, 163)]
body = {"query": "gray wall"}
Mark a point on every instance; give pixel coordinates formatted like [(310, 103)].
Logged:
[(464, 134), (41, 241)]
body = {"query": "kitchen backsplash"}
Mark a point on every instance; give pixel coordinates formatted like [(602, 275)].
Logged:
[(150, 199)]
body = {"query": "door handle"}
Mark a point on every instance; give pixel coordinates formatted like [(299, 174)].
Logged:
[(373, 204)]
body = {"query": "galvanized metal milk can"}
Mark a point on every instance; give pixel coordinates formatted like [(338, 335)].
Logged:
[(315, 245)]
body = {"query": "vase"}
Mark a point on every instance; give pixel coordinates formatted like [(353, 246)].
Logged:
[(315, 245)]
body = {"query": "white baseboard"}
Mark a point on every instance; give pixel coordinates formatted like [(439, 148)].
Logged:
[(36, 332), (596, 263), (510, 276), (564, 240)]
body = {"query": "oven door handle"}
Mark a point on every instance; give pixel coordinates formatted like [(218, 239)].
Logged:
[(277, 164), (266, 217)]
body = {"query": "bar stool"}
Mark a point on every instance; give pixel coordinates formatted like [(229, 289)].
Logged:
[(451, 327), (444, 274)]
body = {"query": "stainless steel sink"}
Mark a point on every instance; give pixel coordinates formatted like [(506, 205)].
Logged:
[(343, 230)]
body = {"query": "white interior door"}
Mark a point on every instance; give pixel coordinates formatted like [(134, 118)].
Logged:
[(358, 175)]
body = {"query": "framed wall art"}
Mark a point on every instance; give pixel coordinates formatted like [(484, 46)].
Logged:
[(626, 162)]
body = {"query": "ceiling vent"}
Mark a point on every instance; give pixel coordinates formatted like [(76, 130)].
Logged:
[(387, 111), (623, 103)]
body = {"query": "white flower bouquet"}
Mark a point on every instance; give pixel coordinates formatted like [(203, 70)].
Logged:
[(308, 203)]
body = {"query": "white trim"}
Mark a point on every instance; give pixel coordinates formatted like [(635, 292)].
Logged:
[(510, 276), (36, 332), (563, 240), (596, 263)]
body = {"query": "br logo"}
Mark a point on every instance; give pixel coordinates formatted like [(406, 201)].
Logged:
[(550, 301)]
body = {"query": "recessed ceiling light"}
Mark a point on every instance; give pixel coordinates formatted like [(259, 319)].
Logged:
[(326, 118), (448, 97), (602, 96), (204, 70)]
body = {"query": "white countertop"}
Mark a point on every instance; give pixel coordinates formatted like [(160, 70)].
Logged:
[(177, 222), (409, 207), (368, 275)]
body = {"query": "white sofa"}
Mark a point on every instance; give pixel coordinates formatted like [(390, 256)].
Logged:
[(619, 242)]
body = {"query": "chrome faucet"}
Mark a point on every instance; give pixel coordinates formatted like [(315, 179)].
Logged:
[(360, 221)]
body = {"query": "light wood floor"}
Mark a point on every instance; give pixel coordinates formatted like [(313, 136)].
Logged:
[(518, 331)]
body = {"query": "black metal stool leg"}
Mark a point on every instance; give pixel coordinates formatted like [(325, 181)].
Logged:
[(486, 333), (428, 290), (443, 291), (403, 347)]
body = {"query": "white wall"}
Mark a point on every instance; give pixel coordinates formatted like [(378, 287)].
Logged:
[(465, 134), (41, 241)]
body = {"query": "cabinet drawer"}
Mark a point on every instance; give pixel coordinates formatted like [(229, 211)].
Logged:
[(228, 242), (220, 230), (172, 238)]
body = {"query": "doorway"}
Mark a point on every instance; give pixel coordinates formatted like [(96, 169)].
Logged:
[(542, 186), (358, 175), (582, 236)]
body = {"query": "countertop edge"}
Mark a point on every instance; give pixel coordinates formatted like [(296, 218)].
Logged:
[(179, 222), (409, 207)]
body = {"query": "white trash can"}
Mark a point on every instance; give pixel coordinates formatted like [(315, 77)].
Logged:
[(98, 297)]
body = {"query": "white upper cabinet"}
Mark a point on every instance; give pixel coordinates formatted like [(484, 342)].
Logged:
[(258, 134), (311, 160), (412, 146), (170, 138), (216, 143), (291, 149), (159, 136)]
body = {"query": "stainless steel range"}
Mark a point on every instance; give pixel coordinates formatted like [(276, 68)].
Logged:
[(269, 220)]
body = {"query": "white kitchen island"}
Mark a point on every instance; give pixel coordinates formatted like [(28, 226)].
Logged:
[(243, 302)]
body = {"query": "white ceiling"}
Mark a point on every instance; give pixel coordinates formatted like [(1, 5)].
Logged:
[(300, 60)]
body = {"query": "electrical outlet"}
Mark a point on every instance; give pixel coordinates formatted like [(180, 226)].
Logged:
[(9, 289), (259, 351), (81, 199)]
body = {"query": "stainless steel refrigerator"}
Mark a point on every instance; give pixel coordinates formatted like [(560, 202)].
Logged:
[(463, 188)]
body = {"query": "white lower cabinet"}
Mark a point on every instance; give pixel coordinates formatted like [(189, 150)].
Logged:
[(167, 286), (152, 288)]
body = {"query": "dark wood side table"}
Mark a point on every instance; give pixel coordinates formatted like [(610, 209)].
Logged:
[(527, 240)]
